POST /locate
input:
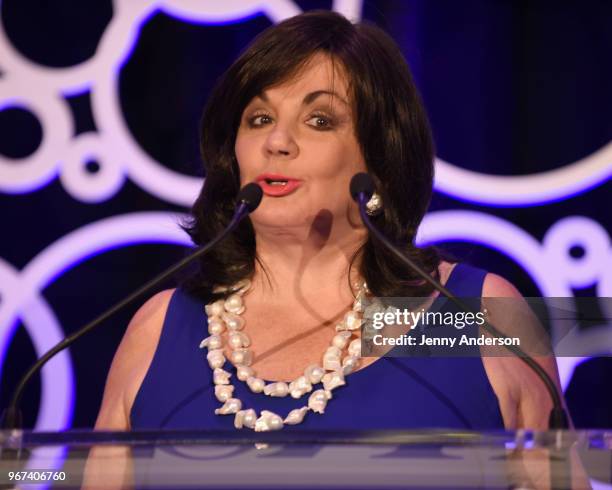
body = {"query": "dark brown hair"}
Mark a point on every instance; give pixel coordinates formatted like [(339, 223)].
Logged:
[(391, 127)]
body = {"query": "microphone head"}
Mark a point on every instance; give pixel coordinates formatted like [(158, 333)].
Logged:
[(250, 195), (361, 183)]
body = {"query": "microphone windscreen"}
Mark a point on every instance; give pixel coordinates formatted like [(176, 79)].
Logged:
[(250, 195), (361, 182)]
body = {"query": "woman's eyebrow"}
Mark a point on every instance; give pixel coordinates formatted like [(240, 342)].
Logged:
[(311, 97)]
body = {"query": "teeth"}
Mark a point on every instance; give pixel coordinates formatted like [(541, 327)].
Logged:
[(277, 182)]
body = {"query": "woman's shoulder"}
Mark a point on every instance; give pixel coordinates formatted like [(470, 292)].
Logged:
[(493, 285), (444, 270), (149, 314), (145, 326), (132, 360), (496, 286)]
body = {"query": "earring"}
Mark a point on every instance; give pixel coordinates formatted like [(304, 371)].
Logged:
[(374, 205)]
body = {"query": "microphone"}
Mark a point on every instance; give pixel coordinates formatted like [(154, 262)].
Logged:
[(249, 197), (361, 189), (361, 183)]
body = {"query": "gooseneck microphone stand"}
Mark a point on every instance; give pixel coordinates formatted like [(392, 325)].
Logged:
[(361, 189), (248, 199)]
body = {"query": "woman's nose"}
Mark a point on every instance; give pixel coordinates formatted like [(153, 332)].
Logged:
[(280, 142)]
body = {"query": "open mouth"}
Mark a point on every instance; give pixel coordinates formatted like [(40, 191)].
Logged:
[(276, 182), (278, 185)]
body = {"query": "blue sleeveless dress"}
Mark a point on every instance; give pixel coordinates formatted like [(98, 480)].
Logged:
[(391, 393)]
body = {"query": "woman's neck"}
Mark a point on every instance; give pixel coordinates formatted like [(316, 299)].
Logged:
[(299, 262)]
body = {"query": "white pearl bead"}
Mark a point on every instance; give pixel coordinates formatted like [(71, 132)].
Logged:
[(238, 340), (233, 405), (349, 364), (360, 301), (368, 331), (245, 418), (375, 307), (255, 384), (268, 421), (299, 386), (214, 309), (300, 383), (234, 304), (243, 372), (331, 362), (238, 418), (215, 358), (224, 392), (213, 342), (341, 339), (275, 423), (221, 376), (354, 348), (216, 342), (250, 417), (233, 321), (241, 356), (333, 380), (352, 320), (318, 401), (215, 326), (314, 373), (278, 389), (334, 351), (295, 416)]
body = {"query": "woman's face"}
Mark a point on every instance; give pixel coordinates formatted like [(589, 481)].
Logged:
[(297, 140)]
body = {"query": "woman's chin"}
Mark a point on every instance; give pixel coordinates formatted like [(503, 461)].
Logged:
[(278, 221), (280, 216)]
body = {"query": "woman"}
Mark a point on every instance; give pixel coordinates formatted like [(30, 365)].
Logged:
[(314, 100)]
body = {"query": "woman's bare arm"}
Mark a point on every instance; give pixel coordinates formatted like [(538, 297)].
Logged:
[(131, 362), (523, 398), (108, 466)]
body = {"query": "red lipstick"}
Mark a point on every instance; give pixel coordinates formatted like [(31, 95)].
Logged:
[(277, 185)]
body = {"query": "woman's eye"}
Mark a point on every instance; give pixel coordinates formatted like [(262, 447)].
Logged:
[(259, 120), (320, 121)]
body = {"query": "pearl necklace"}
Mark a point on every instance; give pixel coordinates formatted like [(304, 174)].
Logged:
[(225, 325)]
